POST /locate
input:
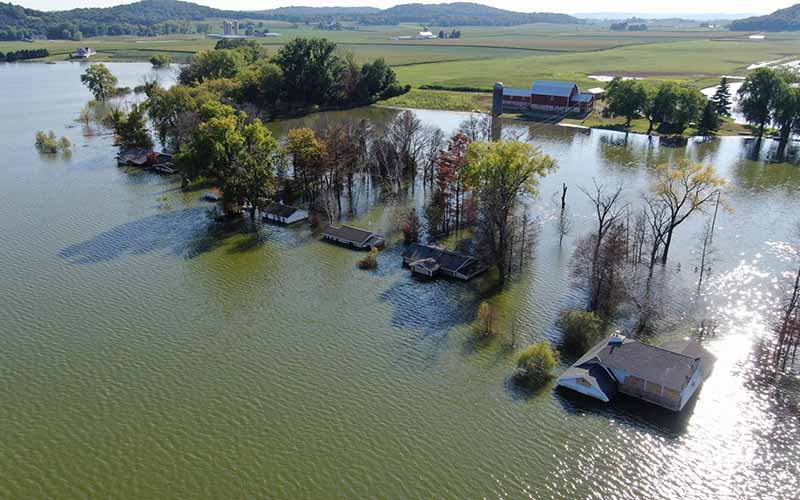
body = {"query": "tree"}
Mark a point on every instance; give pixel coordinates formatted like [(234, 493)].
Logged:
[(311, 70), (211, 65), (709, 123), (450, 180), (673, 106), (503, 172), (722, 98), (581, 329), (786, 115), (242, 158), (160, 60), (597, 261), (174, 112), (684, 188), (536, 363), (758, 96), (307, 154), (100, 81), (487, 314), (377, 81), (262, 84), (131, 130), (626, 98)]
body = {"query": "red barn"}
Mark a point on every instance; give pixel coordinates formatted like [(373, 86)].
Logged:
[(550, 96)]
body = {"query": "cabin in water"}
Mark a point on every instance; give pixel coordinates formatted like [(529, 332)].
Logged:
[(284, 214), (431, 261), (353, 237), (666, 376)]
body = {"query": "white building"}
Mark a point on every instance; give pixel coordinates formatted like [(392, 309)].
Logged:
[(284, 214), (84, 53), (425, 35)]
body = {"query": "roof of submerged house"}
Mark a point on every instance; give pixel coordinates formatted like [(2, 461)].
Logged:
[(450, 261), (553, 88), (353, 234), (655, 364), (583, 97), (280, 210)]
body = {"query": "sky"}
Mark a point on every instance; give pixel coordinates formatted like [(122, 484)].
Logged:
[(565, 6)]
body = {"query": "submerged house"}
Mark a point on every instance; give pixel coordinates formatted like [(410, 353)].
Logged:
[(353, 237), (667, 376), (433, 261), (284, 214), (546, 96)]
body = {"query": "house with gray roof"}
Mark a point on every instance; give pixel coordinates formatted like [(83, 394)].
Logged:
[(353, 237), (284, 214), (667, 376), (431, 261)]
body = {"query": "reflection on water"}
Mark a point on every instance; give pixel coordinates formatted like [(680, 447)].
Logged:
[(148, 351)]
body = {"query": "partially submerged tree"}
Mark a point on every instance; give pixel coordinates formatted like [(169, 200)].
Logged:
[(709, 123), (758, 96), (684, 188), (626, 98), (502, 173), (581, 329), (536, 363), (100, 81)]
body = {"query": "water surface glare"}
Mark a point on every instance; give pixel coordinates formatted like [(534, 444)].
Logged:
[(148, 352)]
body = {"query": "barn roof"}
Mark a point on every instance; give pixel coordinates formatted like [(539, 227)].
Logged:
[(583, 97), (553, 88), (516, 92)]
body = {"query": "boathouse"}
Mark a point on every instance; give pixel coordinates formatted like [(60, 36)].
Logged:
[(284, 214), (547, 96), (666, 376), (353, 237), (431, 261)]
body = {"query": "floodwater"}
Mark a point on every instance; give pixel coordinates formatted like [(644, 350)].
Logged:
[(149, 352)]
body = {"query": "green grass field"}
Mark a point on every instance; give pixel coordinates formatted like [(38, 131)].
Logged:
[(514, 55)]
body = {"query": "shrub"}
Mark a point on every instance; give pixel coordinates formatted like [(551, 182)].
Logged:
[(160, 60), (536, 363), (370, 261), (48, 143), (581, 330)]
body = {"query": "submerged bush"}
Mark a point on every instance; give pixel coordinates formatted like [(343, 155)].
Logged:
[(581, 330), (48, 143), (370, 261), (536, 363)]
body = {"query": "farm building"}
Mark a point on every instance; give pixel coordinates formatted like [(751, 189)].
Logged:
[(432, 261), (284, 214), (353, 237), (667, 377), (548, 96), (83, 53)]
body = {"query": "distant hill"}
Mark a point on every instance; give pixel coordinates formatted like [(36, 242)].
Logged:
[(466, 14), (619, 16), (787, 19), (157, 17)]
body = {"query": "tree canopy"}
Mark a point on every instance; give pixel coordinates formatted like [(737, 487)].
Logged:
[(100, 81)]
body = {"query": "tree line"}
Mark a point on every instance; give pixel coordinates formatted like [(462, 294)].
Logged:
[(21, 55)]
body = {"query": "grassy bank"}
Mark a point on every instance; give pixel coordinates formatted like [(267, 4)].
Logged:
[(443, 100)]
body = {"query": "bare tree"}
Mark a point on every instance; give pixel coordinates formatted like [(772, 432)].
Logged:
[(478, 127), (685, 188), (564, 217), (608, 214)]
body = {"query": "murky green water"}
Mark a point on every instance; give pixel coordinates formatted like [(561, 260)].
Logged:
[(146, 352)]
